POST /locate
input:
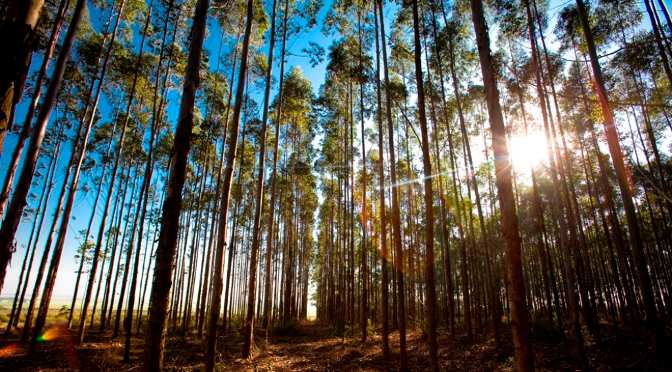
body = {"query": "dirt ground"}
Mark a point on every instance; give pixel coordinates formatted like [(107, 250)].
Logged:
[(311, 347)]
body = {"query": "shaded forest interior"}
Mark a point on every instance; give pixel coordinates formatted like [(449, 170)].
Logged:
[(306, 185)]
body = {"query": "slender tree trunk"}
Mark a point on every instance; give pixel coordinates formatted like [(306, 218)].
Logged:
[(65, 221), (364, 243), (31, 247), (144, 196), (429, 198), (59, 210), (27, 124), (396, 225), (165, 252), (101, 231), (18, 201), (107, 299), (224, 207), (656, 332), (509, 219), (18, 37), (270, 237), (259, 197), (377, 9)]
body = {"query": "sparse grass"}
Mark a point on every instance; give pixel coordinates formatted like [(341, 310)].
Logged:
[(312, 346)]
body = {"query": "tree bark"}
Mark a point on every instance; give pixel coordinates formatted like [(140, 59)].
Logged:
[(396, 225), (259, 195), (378, 14), (653, 324), (155, 342), (18, 37), (18, 202), (115, 168), (27, 123), (271, 210), (429, 197), (224, 207), (509, 218)]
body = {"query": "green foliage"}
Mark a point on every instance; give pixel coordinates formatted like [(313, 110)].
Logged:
[(369, 329), (341, 329)]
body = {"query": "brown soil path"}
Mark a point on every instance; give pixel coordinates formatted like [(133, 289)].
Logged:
[(312, 347)]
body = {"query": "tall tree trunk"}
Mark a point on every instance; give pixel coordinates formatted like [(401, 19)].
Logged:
[(653, 325), (224, 207), (565, 243), (270, 237), (521, 327), (144, 196), (396, 224), (65, 221), (18, 202), (18, 37), (381, 189), (364, 243), (28, 122), (165, 252), (88, 230), (107, 299), (259, 196), (429, 197), (451, 302), (539, 213), (115, 168), (42, 205)]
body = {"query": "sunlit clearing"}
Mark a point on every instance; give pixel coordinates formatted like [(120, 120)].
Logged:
[(50, 334), (528, 150), (8, 350)]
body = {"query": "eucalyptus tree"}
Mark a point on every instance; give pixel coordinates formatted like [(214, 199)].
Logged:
[(56, 138), (115, 168), (429, 195), (165, 251), (309, 12), (454, 29), (396, 225), (67, 210), (37, 91), (52, 231), (557, 174), (155, 127), (19, 34), (298, 185), (509, 218), (18, 201), (381, 175), (228, 178), (259, 195), (652, 320)]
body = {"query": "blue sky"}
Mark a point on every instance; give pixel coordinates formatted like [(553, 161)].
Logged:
[(84, 202)]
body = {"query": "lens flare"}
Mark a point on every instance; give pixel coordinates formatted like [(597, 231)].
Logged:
[(50, 334), (8, 350)]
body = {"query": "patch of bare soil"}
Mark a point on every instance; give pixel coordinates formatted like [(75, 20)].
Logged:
[(312, 347)]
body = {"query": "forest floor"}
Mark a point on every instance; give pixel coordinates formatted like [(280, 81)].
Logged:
[(311, 346)]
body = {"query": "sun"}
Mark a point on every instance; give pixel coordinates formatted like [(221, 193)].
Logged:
[(528, 150)]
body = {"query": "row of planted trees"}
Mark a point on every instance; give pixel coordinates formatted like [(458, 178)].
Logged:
[(386, 193), (587, 233), (112, 138)]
